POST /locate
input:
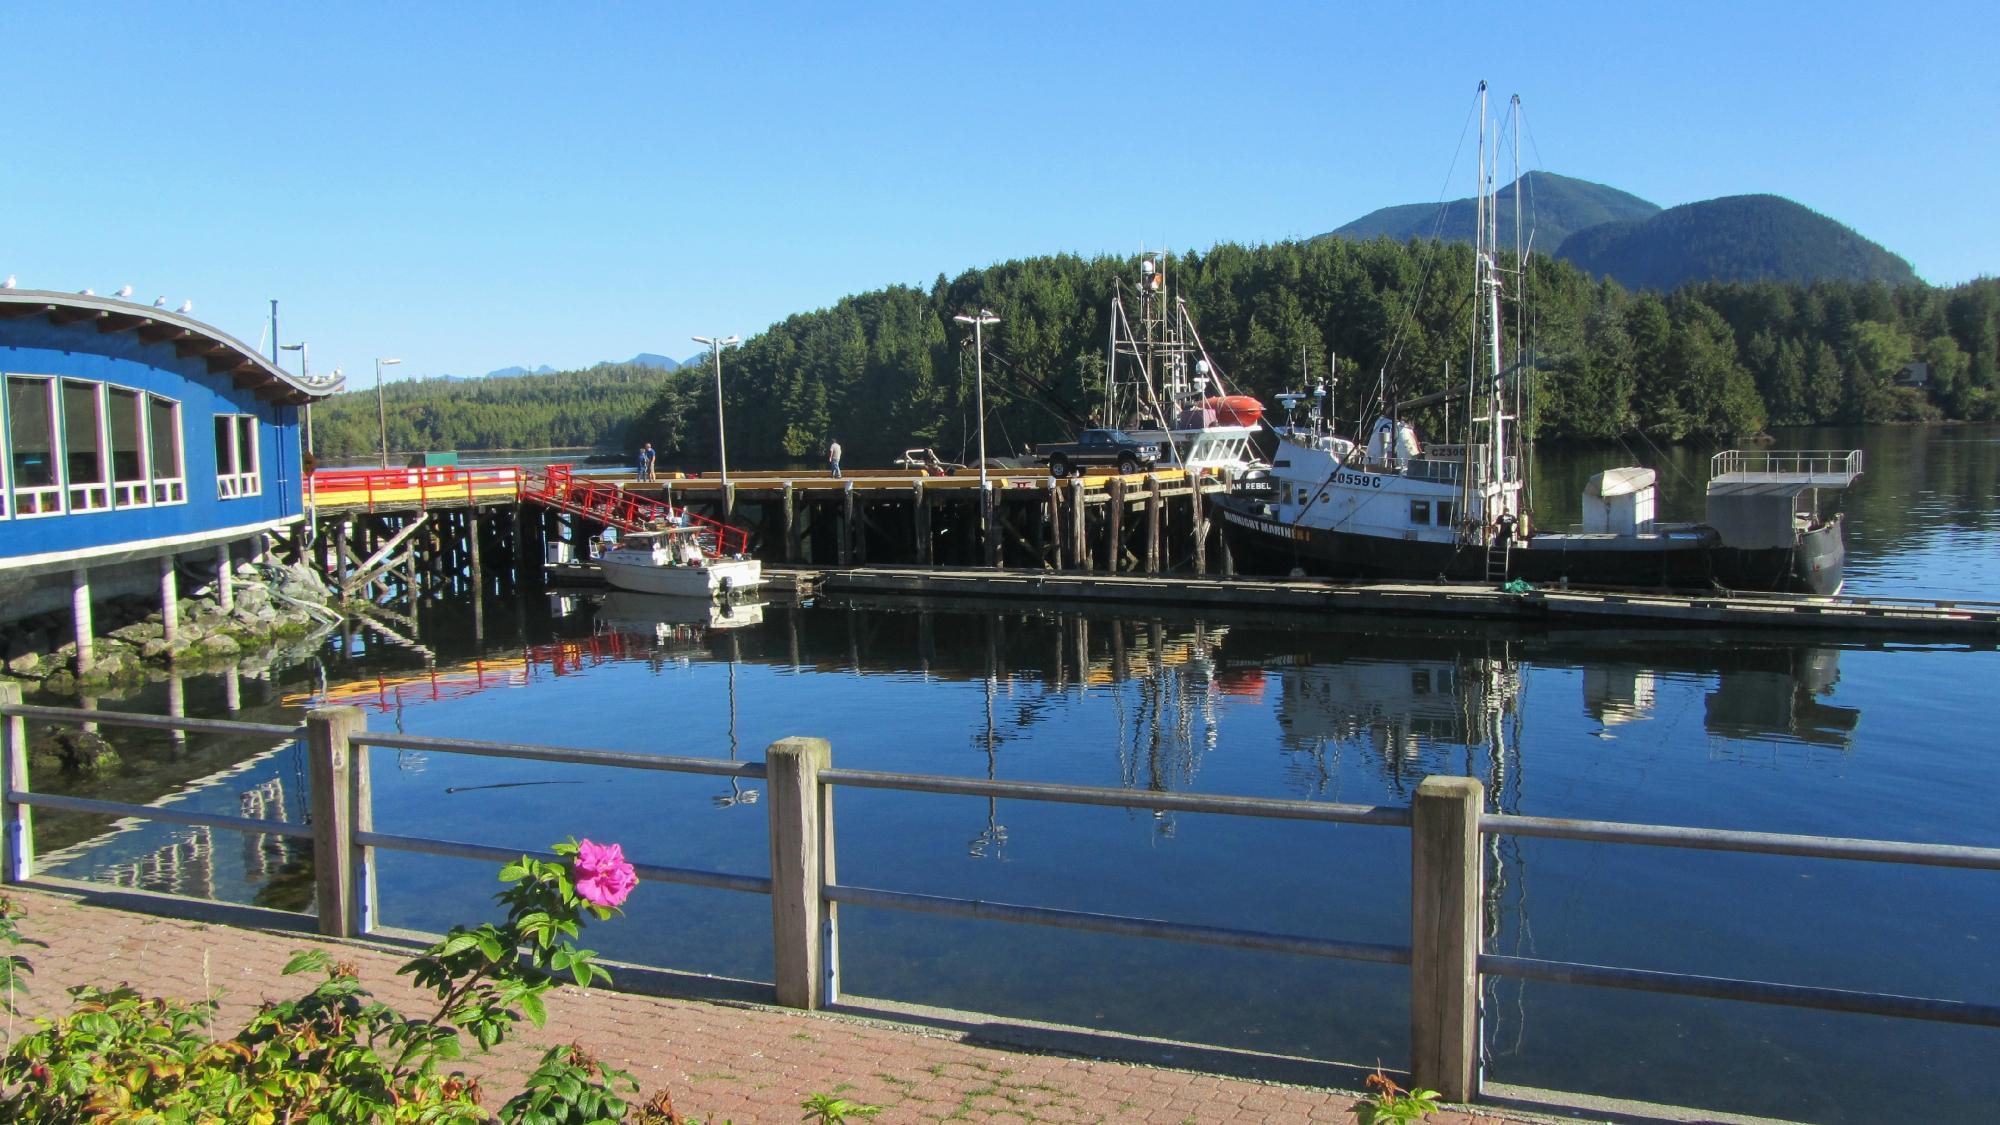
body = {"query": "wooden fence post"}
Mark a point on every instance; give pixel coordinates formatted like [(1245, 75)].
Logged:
[(803, 925), (1445, 876), (17, 823), (338, 884)]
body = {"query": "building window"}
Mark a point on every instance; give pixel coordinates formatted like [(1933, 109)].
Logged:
[(236, 457), (1420, 511), (129, 487), (83, 446), (31, 445), (78, 445), (1443, 512), (163, 440)]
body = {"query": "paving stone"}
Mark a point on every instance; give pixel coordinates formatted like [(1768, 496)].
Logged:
[(718, 1061)]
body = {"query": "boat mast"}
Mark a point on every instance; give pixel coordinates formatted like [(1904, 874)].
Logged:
[(1526, 463)]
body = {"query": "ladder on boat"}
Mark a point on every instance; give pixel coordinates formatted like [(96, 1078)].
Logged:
[(1498, 555)]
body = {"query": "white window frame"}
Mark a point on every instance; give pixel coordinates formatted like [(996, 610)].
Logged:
[(136, 492), (171, 489), (244, 481), (39, 500), (86, 496)]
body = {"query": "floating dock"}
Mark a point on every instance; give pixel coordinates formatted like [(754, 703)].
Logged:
[(1959, 621)]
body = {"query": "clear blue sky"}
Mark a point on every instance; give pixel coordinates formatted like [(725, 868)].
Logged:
[(472, 186)]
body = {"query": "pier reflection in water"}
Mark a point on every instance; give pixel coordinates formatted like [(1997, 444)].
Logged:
[(1676, 727)]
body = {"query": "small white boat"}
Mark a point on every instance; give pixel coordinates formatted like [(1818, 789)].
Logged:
[(675, 560)]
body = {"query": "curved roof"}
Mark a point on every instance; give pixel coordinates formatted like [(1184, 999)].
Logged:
[(224, 354)]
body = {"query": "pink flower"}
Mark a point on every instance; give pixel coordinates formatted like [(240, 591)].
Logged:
[(602, 875)]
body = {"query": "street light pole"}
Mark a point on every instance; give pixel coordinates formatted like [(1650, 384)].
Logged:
[(381, 410), (715, 346), (979, 323), (305, 374)]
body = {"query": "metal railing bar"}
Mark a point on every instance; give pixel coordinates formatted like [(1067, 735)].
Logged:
[(1380, 815), (1766, 843), (1756, 992), (157, 722), (626, 759), (687, 876), (1117, 924), (156, 812)]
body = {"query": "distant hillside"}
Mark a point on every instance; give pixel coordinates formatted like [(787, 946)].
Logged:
[(1735, 238), (511, 372), (648, 359), (597, 408), (1553, 207)]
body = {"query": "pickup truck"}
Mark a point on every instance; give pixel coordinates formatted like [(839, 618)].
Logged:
[(1098, 447)]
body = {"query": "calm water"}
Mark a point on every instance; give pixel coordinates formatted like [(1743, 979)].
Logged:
[(1739, 730)]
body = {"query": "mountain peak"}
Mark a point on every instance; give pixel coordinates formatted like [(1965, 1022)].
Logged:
[(1614, 234), (1553, 207), (1733, 238)]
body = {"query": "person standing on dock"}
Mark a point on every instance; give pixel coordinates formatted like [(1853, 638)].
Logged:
[(646, 458), (833, 458)]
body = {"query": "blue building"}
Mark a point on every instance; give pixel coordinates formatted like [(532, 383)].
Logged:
[(135, 440)]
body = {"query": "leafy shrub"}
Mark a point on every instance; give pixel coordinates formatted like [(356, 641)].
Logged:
[(336, 1055)]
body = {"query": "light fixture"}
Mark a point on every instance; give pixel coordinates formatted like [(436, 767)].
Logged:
[(715, 346), (979, 323), (381, 410)]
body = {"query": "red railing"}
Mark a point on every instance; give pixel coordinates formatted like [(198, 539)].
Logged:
[(558, 487), (403, 487)]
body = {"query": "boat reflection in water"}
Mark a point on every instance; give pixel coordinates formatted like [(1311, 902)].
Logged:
[(668, 618)]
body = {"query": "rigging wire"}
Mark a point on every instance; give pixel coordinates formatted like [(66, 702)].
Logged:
[(1437, 241)]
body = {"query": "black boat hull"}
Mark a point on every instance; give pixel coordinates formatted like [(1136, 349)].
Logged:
[(1693, 558)]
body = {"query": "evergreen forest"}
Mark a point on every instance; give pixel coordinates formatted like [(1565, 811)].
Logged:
[(889, 369)]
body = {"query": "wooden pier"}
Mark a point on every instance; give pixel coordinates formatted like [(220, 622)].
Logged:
[(1142, 538)]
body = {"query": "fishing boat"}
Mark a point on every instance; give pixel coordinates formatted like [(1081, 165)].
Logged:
[(1388, 504), (680, 560), (1162, 386)]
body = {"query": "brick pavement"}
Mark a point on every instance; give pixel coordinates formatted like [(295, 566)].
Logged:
[(736, 1062)]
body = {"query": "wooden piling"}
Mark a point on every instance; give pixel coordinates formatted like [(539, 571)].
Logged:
[(1055, 514), (787, 531), (1199, 519), (1079, 513), (1153, 525), (1114, 528), (846, 537)]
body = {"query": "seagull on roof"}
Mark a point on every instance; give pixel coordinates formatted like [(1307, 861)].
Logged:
[(123, 291), (160, 302), (85, 292), (186, 307), (9, 283)]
